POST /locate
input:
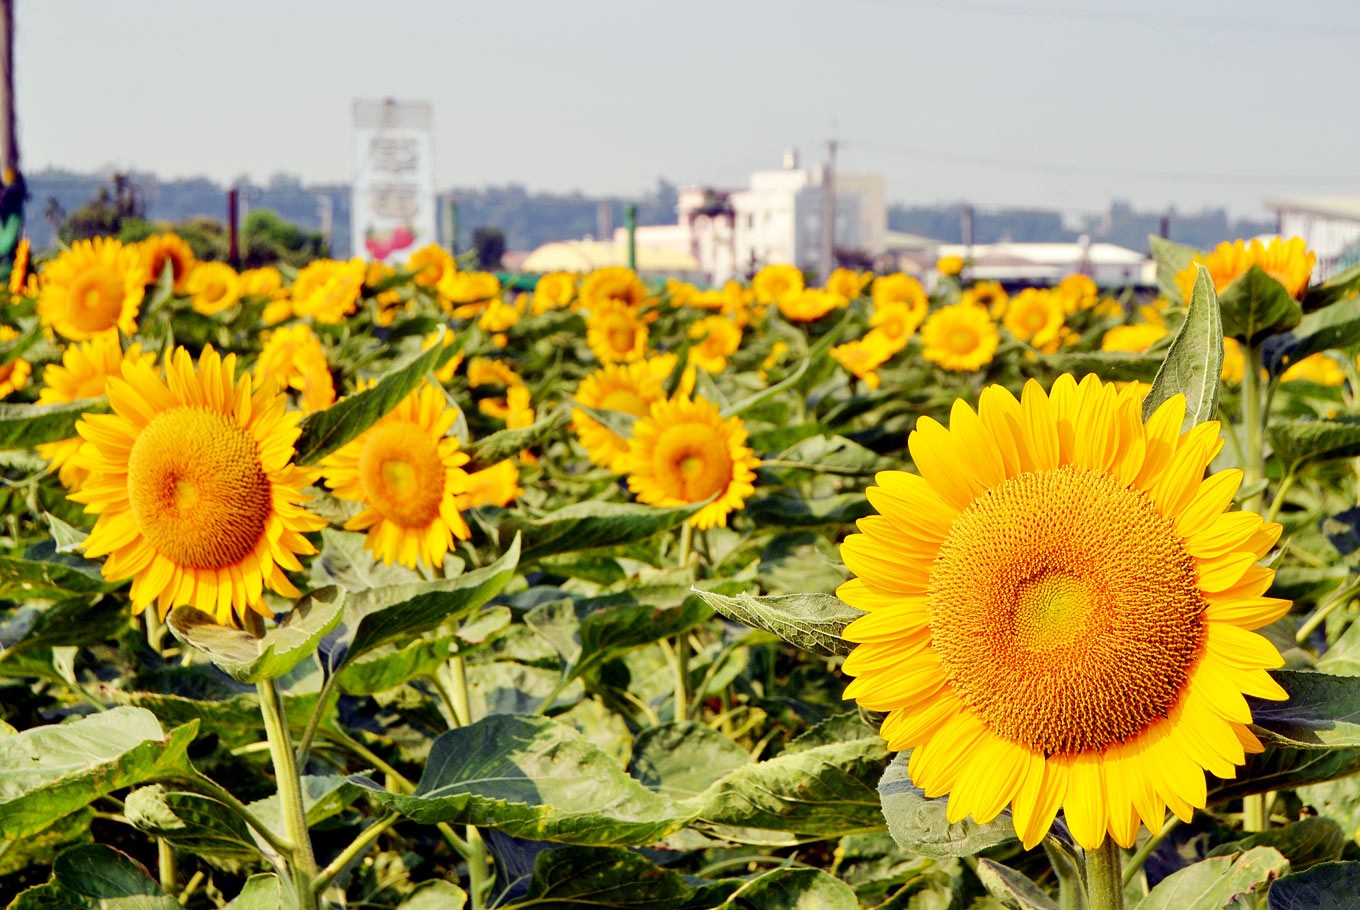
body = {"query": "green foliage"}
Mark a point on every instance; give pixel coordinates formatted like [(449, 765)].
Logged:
[(1195, 359), (920, 824), (96, 877), (813, 622), (1256, 305), (1217, 882), (587, 525)]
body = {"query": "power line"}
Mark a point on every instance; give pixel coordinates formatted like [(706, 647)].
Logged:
[(1113, 17), (1076, 170)]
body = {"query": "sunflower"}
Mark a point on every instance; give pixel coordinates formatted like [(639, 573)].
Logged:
[(683, 451), (1058, 611), (615, 284), (485, 371), (94, 286), (193, 482), (159, 249), (989, 295), (553, 291), (497, 485), (1077, 292), (847, 282), (84, 371), (893, 323), (809, 304), (430, 264), (1035, 315), (328, 290), (293, 358), (213, 287), (630, 388), (500, 315), (1316, 368), (774, 283), (1234, 361), (389, 301), (900, 287), (465, 294), (19, 270), (949, 265), (444, 338), (1133, 339), (863, 357), (266, 281), (717, 339), (616, 334), (1289, 262), (408, 472), (960, 338), (13, 373)]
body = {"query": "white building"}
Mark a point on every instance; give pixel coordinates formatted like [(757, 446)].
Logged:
[(1330, 225), (1049, 263)]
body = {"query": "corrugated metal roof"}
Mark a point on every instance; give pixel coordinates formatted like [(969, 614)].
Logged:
[(1344, 207)]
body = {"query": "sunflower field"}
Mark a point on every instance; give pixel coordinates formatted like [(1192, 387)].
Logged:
[(353, 586)]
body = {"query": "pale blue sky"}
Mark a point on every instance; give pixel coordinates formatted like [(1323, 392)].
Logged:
[(1057, 103)]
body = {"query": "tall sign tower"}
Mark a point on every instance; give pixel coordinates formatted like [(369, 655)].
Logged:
[(393, 207)]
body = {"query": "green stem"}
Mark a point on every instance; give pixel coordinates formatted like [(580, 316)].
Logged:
[(1104, 882), (1136, 863), (211, 788), (681, 652), (1319, 616), (165, 865), (1071, 894), (302, 862), (1286, 484), (398, 781), (1254, 813), (304, 747), (356, 848), (479, 875), (1253, 418)]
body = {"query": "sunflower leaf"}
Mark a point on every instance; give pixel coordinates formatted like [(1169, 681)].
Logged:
[(793, 889), (1012, 888), (1341, 286), (398, 613), (499, 446), (23, 426), (826, 791), (49, 772), (1329, 886), (1194, 361), (1299, 441), (920, 824), (96, 877), (1172, 258), (1217, 882), (325, 431), (192, 822), (1304, 843), (1256, 305), (813, 622), (534, 778), (587, 525), (1329, 329), (248, 659), (604, 877)]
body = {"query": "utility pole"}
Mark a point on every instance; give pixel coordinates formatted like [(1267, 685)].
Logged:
[(829, 210), (967, 227), (325, 208), (233, 235), (13, 189)]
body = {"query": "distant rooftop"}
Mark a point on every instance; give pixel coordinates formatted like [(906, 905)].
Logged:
[(1347, 207)]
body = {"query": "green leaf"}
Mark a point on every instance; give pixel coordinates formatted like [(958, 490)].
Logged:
[(1341, 286), (73, 622), (620, 423), (49, 772), (96, 877), (534, 778), (1216, 883), (42, 848), (793, 889), (1333, 328), (826, 791), (607, 633), (919, 824), (234, 719), (1299, 441), (1195, 360), (1255, 305), (325, 431), (388, 615), (323, 797), (786, 509), (390, 665), (193, 823), (501, 445), (1013, 888), (815, 353), (260, 892), (572, 878), (345, 561), (26, 579), (1330, 886), (682, 760), (435, 895), (23, 426), (586, 525), (1172, 258), (813, 622), (248, 659), (1304, 843), (1111, 366), (835, 455)]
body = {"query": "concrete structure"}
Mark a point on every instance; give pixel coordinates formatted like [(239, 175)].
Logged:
[(1048, 263), (1330, 225)]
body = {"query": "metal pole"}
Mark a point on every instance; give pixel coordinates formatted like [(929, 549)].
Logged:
[(967, 228), (233, 213), (452, 210), (630, 224), (9, 138), (829, 211)]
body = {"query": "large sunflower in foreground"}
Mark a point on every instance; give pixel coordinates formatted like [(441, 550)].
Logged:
[(193, 482), (408, 473), (684, 451), (94, 286), (1059, 611)]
